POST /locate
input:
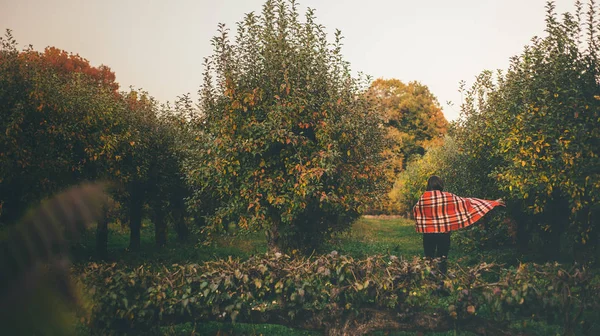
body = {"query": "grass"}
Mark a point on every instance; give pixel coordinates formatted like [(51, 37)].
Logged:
[(398, 237), (375, 236), (215, 328), (175, 252), (368, 236)]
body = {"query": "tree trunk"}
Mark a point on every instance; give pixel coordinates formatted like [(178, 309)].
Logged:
[(13, 208), (160, 227), (594, 221), (557, 215), (183, 232), (273, 235), (102, 235), (552, 244), (136, 203), (272, 232), (178, 213), (523, 236), (273, 239)]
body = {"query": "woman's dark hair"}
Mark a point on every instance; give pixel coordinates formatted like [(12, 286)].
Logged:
[(435, 183)]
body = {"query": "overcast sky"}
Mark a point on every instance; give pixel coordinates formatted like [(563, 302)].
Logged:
[(159, 45)]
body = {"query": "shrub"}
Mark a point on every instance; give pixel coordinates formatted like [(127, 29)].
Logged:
[(337, 294), (288, 142)]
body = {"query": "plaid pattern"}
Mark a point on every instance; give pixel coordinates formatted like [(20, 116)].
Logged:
[(438, 211)]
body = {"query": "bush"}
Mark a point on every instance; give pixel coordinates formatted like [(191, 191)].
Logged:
[(337, 294), (288, 142), (61, 124), (531, 133)]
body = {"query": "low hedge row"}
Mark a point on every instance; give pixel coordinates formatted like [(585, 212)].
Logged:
[(338, 294)]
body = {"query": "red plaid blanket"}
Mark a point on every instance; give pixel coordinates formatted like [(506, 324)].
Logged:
[(438, 211)]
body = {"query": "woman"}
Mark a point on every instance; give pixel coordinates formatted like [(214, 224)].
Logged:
[(438, 213)]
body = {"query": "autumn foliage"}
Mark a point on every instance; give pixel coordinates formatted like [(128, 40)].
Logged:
[(414, 122), (66, 64), (64, 122), (292, 145), (285, 140), (59, 124), (413, 119)]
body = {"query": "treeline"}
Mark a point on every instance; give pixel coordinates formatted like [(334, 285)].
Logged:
[(65, 122), (283, 139)]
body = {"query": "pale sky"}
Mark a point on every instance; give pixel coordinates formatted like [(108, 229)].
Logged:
[(159, 45)]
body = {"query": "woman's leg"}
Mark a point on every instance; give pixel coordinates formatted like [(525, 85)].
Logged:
[(429, 245), (443, 247)]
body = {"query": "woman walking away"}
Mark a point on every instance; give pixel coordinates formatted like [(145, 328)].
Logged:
[(438, 213)]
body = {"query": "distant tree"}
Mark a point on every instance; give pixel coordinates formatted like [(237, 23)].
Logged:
[(412, 181), (413, 119), (67, 63), (289, 142), (167, 188), (149, 170)]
